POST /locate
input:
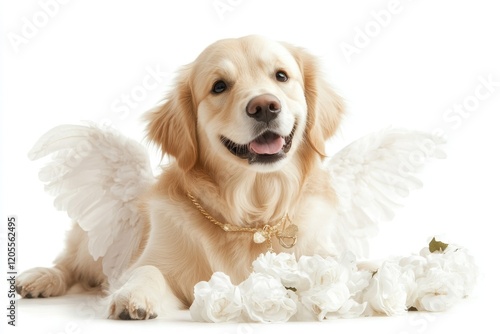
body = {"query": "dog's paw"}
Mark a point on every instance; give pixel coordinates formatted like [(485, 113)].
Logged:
[(133, 305), (41, 283)]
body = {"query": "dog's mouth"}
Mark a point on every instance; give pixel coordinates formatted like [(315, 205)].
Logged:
[(268, 147)]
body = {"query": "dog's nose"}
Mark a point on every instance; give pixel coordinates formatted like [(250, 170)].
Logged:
[(264, 108)]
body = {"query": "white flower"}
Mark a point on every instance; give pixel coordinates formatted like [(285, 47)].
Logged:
[(415, 263), (324, 300), (412, 268), (387, 293), (324, 271), (438, 290), (316, 288), (217, 300), (284, 267), (456, 260), (350, 309), (265, 299), (358, 282), (425, 252), (449, 275)]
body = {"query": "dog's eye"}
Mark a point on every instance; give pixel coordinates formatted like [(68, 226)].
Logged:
[(219, 87), (281, 76)]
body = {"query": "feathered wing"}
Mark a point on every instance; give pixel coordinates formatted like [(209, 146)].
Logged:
[(372, 176), (97, 176)]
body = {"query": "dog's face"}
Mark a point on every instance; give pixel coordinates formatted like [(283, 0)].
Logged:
[(248, 102)]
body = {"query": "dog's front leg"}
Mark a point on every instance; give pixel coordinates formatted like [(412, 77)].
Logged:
[(141, 296)]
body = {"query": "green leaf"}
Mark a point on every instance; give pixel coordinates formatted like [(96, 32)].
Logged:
[(412, 309), (291, 288), (437, 246)]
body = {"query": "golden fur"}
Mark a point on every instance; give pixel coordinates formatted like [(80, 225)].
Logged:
[(183, 246)]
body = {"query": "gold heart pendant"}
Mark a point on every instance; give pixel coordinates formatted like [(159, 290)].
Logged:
[(288, 237)]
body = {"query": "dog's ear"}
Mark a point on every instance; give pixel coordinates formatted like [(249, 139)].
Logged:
[(324, 106), (172, 126)]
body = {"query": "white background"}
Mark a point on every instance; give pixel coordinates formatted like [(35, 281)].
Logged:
[(426, 58)]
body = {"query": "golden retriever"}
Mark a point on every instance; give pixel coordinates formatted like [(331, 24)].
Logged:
[(247, 123)]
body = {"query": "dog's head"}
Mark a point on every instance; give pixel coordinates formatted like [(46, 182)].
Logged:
[(249, 102)]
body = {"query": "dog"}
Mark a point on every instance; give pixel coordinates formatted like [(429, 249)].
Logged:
[(246, 123)]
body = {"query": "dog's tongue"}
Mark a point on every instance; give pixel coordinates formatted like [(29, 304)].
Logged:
[(268, 143)]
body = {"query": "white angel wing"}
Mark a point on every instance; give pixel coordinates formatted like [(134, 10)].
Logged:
[(372, 176), (97, 175)]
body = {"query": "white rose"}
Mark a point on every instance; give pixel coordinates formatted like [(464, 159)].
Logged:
[(323, 301), (449, 276), (425, 252), (357, 283), (217, 300), (284, 267), (457, 260), (265, 299), (387, 293), (350, 309), (324, 271), (415, 263), (337, 285), (438, 290), (412, 268)]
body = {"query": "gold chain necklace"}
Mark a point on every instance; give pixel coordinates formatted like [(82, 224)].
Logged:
[(287, 237)]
